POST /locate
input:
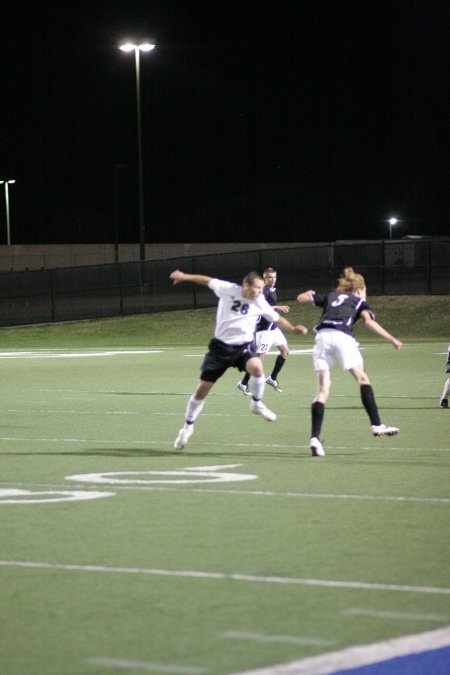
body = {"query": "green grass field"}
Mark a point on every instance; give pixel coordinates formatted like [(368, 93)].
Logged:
[(120, 554)]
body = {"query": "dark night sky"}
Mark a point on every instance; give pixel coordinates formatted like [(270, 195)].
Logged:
[(284, 120)]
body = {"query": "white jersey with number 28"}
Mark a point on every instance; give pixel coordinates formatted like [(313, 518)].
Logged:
[(236, 316)]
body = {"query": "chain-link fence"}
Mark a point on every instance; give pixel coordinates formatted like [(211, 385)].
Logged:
[(76, 293)]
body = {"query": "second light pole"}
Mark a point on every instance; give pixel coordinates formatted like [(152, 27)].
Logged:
[(137, 48), (8, 227)]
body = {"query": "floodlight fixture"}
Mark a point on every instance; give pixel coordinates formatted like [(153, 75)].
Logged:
[(392, 222), (143, 47)]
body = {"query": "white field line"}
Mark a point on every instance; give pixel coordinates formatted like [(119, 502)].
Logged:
[(233, 393), (364, 655), (281, 639), (223, 393), (269, 446), (224, 576), (98, 413), (93, 392), (144, 666), (292, 352), (147, 413), (108, 351), (395, 615), (245, 493), (151, 413), (75, 354), (80, 412), (129, 441)]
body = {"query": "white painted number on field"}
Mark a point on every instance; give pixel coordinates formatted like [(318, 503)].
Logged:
[(10, 496), (194, 474)]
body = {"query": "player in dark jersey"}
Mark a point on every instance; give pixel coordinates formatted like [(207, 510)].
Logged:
[(443, 403), (334, 339), (268, 335)]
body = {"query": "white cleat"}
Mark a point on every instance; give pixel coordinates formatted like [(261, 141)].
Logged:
[(244, 388), (183, 436), (383, 430), (316, 447), (274, 384), (259, 408)]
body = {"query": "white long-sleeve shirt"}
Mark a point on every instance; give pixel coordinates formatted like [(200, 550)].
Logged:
[(236, 316)]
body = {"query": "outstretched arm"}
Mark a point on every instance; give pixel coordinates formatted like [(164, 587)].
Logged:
[(282, 308), (305, 297), (177, 276), (376, 328), (288, 326)]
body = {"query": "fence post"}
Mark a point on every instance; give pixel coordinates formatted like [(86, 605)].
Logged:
[(120, 289), (333, 266), (194, 286), (383, 267), (141, 283), (52, 296), (429, 262)]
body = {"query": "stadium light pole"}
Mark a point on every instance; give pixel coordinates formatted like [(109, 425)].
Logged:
[(8, 229), (392, 222), (137, 48)]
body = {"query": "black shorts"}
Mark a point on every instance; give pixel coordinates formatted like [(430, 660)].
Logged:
[(221, 356)]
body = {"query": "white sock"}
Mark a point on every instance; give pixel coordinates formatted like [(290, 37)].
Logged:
[(194, 408), (446, 392), (256, 386)]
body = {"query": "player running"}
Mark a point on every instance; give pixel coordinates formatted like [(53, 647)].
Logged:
[(233, 343), (334, 339)]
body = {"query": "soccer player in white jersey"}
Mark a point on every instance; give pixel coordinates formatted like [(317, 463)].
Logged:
[(334, 339), (268, 335), (238, 311), (443, 403)]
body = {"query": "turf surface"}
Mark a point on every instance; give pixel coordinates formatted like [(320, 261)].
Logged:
[(184, 570)]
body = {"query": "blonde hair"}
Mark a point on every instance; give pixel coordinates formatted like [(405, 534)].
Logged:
[(350, 281)]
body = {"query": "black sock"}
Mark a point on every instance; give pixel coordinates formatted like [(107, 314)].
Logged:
[(368, 399), (279, 363), (317, 413), (246, 378)]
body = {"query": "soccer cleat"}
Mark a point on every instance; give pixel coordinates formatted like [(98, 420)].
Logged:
[(383, 430), (443, 403), (183, 436), (273, 383), (259, 408), (244, 388), (316, 447)]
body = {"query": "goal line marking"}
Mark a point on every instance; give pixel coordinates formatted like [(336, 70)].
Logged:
[(363, 656)]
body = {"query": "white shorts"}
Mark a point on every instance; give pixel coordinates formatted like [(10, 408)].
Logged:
[(331, 344), (265, 339)]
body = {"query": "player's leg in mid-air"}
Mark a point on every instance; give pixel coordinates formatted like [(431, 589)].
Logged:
[(218, 359)]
